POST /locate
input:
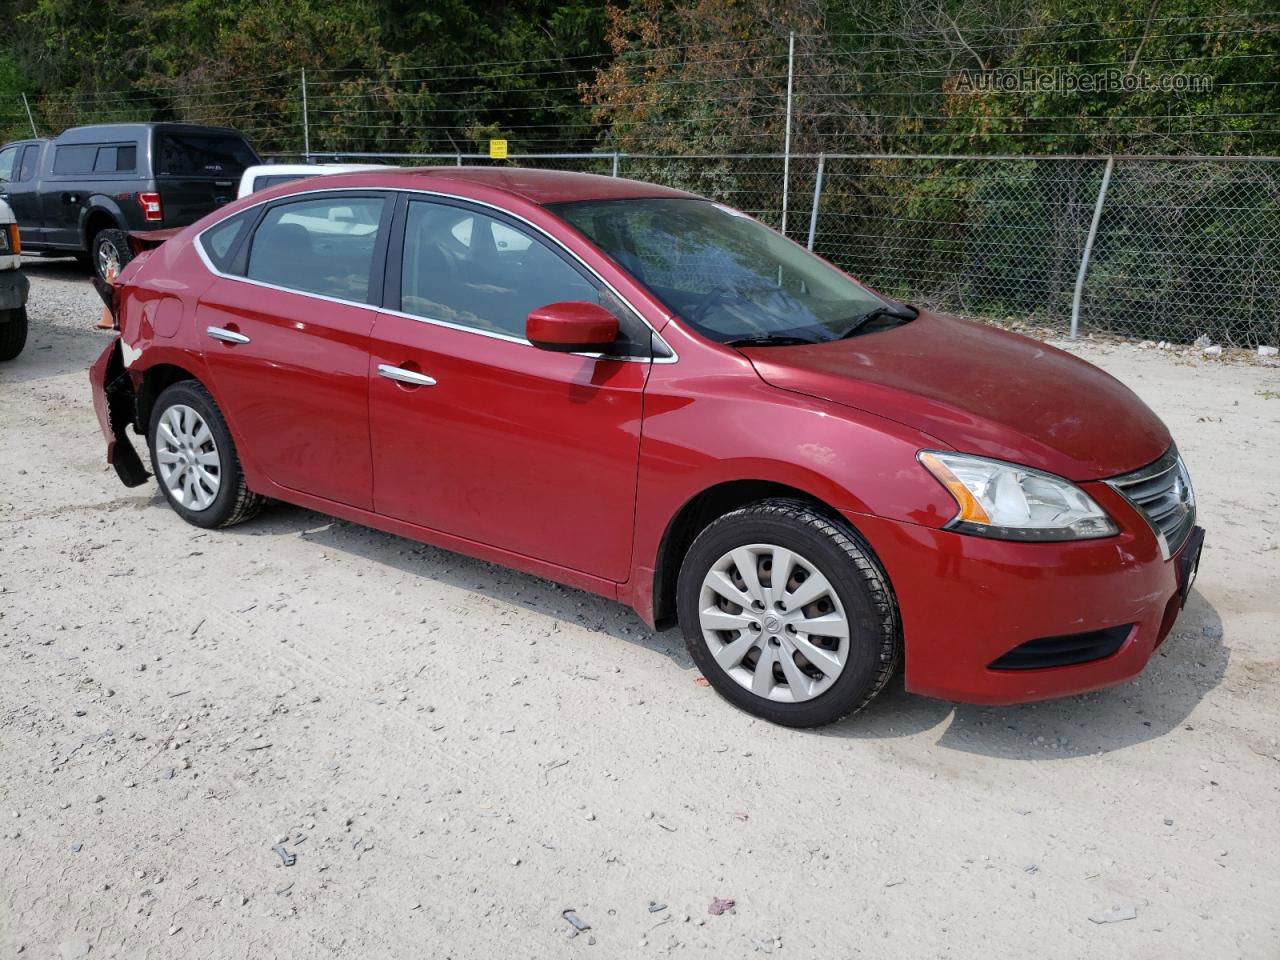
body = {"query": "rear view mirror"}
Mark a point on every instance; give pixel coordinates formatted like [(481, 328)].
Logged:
[(572, 327)]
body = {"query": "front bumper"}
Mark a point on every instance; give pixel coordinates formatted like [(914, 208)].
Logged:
[(965, 601), (14, 286)]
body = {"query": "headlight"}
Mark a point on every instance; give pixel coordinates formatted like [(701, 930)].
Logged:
[(1009, 502)]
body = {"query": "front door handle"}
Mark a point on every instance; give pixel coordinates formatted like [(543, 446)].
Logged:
[(405, 376), (226, 336)]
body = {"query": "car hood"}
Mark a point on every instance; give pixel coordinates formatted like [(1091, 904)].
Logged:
[(980, 390)]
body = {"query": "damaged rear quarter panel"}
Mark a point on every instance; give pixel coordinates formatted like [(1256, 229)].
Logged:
[(159, 293)]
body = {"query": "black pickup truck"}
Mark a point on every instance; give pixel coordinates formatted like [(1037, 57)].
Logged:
[(82, 192)]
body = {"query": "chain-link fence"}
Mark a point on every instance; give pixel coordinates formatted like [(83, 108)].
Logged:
[(1184, 247)]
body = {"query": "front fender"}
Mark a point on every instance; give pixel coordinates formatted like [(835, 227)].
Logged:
[(701, 432)]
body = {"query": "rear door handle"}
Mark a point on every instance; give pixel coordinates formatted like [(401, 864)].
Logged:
[(405, 376), (226, 336)]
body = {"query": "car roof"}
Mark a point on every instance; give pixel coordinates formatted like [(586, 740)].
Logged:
[(124, 131), (542, 187)]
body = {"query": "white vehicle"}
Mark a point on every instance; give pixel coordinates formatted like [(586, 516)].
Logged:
[(13, 288), (273, 174)]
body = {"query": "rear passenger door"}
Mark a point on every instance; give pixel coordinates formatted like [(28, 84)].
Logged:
[(287, 326)]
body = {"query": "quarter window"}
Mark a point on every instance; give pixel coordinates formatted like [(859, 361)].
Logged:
[(467, 268), (219, 241), (322, 246)]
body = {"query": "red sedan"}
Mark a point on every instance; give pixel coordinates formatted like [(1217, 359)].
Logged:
[(648, 395)]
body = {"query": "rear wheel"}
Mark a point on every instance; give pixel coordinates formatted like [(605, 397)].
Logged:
[(195, 460), (13, 333), (788, 614), (109, 251)]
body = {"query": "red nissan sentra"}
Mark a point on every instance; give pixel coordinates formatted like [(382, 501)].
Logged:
[(648, 395)]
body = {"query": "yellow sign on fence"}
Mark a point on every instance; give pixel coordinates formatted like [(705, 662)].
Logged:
[(497, 149)]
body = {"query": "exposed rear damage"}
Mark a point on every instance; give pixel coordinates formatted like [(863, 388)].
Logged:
[(115, 402)]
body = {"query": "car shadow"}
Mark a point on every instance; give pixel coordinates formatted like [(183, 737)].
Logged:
[(497, 582), (1190, 663)]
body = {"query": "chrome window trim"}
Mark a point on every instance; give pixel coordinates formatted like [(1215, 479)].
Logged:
[(204, 257)]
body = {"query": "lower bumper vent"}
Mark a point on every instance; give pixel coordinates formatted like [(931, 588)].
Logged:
[(1063, 651)]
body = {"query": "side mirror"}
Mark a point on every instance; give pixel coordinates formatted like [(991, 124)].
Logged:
[(571, 327)]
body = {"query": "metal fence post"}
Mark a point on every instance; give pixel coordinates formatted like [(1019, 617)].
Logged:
[(306, 126), (1088, 247), (459, 158), (817, 197), (615, 163), (786, 150), (30, 119)]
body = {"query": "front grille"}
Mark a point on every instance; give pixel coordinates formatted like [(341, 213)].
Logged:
[(1162, 493), (1063, 651)]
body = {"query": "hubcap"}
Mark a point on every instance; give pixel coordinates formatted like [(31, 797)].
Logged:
[(187, 457), (108, 260), (774, 623)]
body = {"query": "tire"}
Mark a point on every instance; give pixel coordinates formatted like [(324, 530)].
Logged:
[(840, 676), (13, 333), (109, 246), (181, 451)]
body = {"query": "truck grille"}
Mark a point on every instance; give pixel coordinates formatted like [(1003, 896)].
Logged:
[(1162, 493)]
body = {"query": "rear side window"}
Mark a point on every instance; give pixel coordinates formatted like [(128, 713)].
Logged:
[(8, 159), (75, 158), (219, 241), (119, 158), (201, 155), (322, 246)]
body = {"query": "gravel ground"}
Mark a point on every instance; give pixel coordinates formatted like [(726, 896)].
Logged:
[(456, 753)]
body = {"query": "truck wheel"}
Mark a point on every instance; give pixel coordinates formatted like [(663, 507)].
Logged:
[(13, 333), (110, 252), (788, 614), (194, 458)]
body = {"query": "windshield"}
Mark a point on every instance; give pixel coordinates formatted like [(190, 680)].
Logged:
[(202, 155), (729, 277)]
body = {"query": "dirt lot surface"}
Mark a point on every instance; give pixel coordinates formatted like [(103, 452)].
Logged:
[(456, 753)]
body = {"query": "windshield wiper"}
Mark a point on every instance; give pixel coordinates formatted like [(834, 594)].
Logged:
[(893, 311), (770, 340)]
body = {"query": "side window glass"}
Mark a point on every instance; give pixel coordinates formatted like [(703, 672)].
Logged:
[(30, 156), (74, 159), (322, 246), (8, 156), (467, 268), (219, 241), (116, 159)]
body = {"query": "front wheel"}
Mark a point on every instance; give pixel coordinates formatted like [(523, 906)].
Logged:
[(195, 459), (13, 333), (788, 614)]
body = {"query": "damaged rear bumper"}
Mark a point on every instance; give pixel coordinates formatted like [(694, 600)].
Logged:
[(114, 401)]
